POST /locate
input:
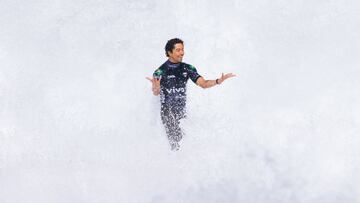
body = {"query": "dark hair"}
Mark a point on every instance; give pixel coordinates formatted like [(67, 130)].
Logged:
[(170, 45)]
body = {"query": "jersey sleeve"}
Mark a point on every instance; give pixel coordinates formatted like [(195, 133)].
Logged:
[(193, 74), (158, 73)]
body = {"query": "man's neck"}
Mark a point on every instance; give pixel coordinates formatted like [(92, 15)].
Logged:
[(172, 61)]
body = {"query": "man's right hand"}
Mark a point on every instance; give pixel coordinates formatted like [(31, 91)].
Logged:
[(155, 85)]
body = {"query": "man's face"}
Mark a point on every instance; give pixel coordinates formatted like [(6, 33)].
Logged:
[(177, 53)]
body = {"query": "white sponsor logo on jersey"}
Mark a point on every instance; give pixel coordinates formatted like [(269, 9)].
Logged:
[(175, 90)]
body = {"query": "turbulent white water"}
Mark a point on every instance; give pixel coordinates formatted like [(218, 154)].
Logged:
[(78, 121)]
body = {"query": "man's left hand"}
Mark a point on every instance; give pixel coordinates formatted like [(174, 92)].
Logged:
[(224, 77)]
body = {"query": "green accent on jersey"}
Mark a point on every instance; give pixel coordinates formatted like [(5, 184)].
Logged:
[(158, 72), (191, 67)]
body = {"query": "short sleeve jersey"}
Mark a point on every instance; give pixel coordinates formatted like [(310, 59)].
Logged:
[(173, 81)]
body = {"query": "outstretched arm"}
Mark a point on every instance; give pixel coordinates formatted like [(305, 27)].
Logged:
[(155, 85), (210, 83)]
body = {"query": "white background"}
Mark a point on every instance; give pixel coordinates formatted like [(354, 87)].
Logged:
[(78, 121)]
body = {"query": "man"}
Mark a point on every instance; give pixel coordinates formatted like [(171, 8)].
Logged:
[(169, 80)]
